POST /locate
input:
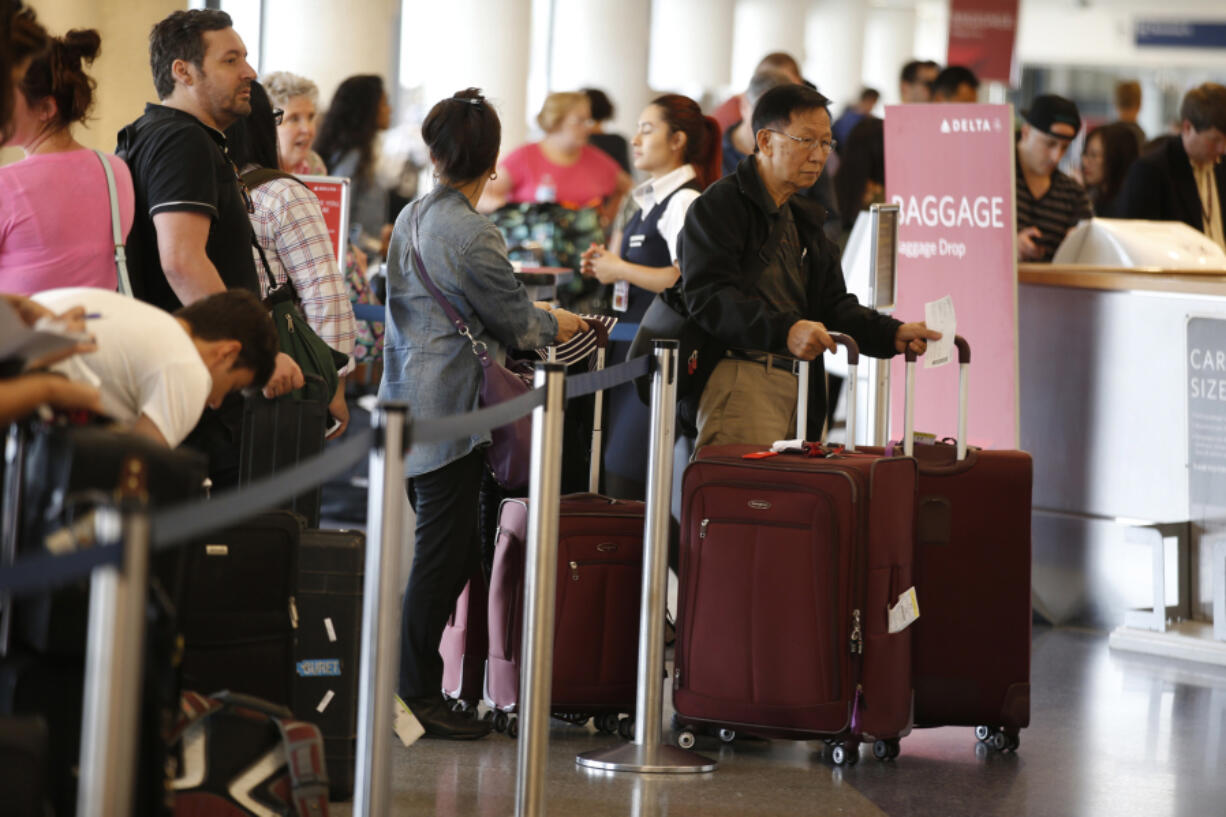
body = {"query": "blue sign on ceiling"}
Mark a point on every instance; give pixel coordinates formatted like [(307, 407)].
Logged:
[(1181, 33)]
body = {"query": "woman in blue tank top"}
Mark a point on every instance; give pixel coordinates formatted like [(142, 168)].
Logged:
[(680, 149)]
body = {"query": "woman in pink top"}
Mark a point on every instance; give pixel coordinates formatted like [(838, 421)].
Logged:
[(55, 211), (562, 167)]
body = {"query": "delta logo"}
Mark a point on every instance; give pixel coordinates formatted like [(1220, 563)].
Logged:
[(975, 125)]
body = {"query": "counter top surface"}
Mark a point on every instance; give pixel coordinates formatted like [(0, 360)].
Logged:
[(1141, 279)]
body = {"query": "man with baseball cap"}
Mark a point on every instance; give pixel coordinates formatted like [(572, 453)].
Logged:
[(1049, 203)]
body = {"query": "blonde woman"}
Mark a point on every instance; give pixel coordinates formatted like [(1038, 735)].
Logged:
[(563, 167)]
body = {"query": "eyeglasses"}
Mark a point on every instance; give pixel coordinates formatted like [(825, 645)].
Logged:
[(808, 143), (277, 115)]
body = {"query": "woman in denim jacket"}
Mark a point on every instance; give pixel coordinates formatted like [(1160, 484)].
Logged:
[(428, 365)]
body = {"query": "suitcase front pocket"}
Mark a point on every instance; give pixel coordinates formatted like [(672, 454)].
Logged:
[(762, 606), (597, 624)]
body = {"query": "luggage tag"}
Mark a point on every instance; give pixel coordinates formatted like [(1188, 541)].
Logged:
[(904, 612), (759, 455)]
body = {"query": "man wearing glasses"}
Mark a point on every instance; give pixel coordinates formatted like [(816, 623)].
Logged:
[(762, 281), (191, 236)]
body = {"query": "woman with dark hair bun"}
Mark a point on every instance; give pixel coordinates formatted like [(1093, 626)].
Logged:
[(346, 141), (1110, 150), (40, 248), (436, 371), (680, 149)]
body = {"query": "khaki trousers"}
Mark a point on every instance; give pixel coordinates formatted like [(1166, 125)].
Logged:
[(749, 403)]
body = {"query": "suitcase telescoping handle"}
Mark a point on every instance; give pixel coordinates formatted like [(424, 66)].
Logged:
[(802, 390), (602, 347), (964, 366)]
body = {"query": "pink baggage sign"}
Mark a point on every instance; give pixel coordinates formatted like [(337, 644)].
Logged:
[(950, 169)]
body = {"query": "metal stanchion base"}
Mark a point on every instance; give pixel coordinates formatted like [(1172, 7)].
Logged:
[(631, 758)]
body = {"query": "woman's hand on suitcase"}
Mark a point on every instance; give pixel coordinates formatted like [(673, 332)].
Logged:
[(808, 339), (916, 335), (569, 325)]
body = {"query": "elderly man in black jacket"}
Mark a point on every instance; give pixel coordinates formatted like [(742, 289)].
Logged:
[(761, 279), (1182, 177)]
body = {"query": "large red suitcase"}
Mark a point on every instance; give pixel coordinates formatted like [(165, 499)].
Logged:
[(789, 565), (788, 568), (596, 631), (971, 647)]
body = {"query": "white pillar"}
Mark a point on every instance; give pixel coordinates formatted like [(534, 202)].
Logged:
[(761, 27), (326, 41), (889, 43), (699, 60), (603, 44), (447, 46), (834, 48)]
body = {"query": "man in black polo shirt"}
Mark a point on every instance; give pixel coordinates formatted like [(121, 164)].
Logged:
[(192, 236), (1049, 203), (762, 281)]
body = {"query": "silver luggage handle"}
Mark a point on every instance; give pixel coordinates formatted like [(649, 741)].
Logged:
[(964, 367), (802, 390)]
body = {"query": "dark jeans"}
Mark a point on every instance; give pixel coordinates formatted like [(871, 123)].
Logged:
[(447, 553)]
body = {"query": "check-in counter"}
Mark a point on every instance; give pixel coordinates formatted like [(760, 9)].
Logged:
[(1104, 411)]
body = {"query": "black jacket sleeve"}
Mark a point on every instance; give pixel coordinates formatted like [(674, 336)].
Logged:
[(1141, 195), (713, 242), (841, 311)]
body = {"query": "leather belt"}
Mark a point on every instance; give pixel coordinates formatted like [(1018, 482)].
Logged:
[(781, 362)]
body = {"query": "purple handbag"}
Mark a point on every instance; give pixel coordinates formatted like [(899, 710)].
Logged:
[(509, 456)]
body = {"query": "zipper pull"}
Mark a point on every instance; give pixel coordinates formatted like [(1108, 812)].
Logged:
[(857, 640), (289, 323), (574, 571), (702, 529)]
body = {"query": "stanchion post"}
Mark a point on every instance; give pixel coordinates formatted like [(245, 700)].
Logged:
[(647, 753), (380, 612), (115, 654), (540, 587)]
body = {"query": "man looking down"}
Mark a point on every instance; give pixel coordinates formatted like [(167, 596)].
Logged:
[(762, 280)]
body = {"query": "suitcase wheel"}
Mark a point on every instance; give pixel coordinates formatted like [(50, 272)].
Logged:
[(845, 754), (998, 739), (885, 750), (501, 721), (462, 707), (727, 735), (625, 727), (686, 739), (607, 723), (513, 727)]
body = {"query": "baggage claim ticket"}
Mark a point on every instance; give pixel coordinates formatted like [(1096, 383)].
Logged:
[(939, 315)]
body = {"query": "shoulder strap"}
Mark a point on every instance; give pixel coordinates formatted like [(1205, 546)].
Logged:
[(453, 315), (257, 176), (121, 259), (304, 759)]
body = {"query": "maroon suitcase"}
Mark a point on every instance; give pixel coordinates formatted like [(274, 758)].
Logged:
[(971, 646), (596, 630), (788, 567)]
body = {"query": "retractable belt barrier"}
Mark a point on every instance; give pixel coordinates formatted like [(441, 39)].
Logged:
[(176, 525), (386, 442)]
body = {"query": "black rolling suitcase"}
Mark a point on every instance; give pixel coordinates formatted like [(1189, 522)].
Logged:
[(331, 566), (56, 473), (278, 434), (237, 613)]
